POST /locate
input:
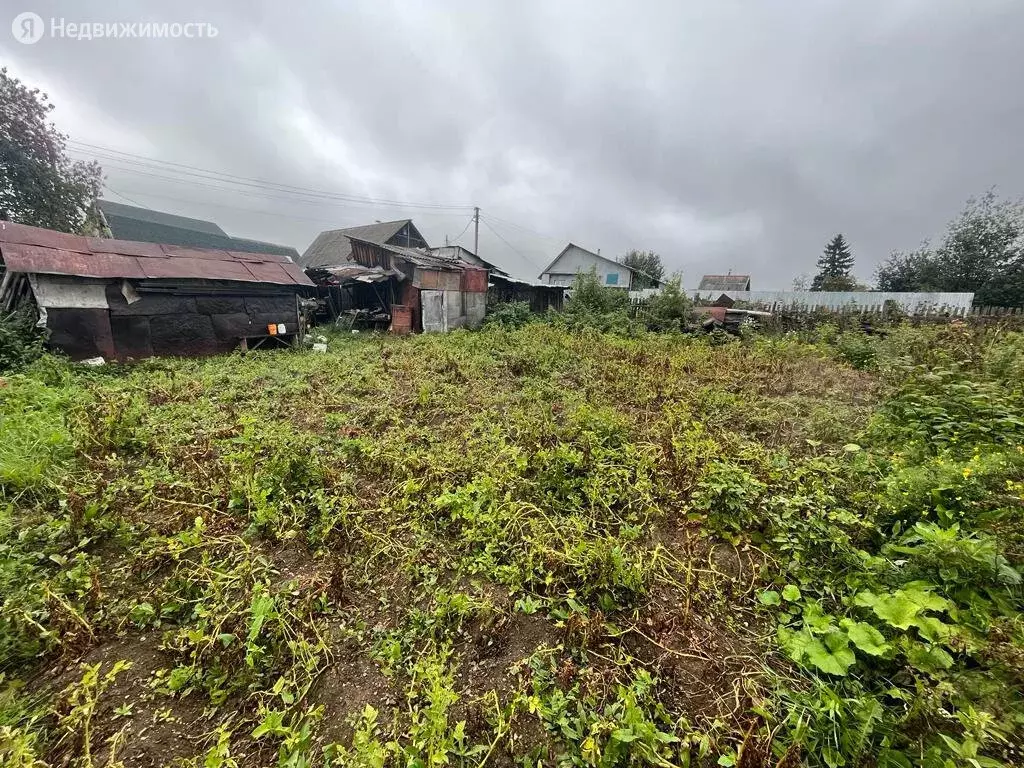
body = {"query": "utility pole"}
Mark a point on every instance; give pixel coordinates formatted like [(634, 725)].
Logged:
[(476, 230)]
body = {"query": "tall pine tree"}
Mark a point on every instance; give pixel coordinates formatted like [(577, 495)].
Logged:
[(834, 267)]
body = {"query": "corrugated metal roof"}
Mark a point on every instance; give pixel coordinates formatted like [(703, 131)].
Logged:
[(131, 223), (120, 210), (33, 250), (421, 257), (724, 283), (466, 256), (333, 246), (353, 272)]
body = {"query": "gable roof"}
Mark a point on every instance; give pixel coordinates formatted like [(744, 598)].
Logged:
[(32, 250), (333, 246), (619, 264), (591, 253), (129, 222), (724, 283), (466, 256), (146, 215)]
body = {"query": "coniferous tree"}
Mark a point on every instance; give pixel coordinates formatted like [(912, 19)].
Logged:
[(834, 267)]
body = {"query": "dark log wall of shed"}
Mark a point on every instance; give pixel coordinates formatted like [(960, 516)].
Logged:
[(168, 323)]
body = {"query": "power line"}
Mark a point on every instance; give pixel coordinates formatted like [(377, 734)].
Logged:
[(123, 197), (236, 208), (265, 195), (525, 229), (464, 230), (191, 170), (267, 192), (112, 155), (506, 242)]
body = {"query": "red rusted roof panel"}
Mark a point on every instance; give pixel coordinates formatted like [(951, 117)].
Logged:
[(46, 238), (55, 261), (210, 254), (124, 247), (262, 258), (198, 269), (271, 273), (30, 249), (296, 273)]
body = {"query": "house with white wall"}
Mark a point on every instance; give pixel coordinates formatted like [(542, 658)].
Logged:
[(573, 259)]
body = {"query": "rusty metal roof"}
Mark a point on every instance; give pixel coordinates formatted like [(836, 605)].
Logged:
[(421, 257), (34, 250), (352, 272)]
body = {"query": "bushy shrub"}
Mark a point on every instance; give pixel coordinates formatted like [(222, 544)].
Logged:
[(20, 341), (596, 306), (589, 295), (508, 314), (670, 308), (858, 349)]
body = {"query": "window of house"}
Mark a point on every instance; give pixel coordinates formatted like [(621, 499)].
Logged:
[(612, 278)]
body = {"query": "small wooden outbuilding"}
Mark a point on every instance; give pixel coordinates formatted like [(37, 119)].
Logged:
[(120, 299)]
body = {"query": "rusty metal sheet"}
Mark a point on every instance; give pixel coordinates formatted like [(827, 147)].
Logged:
[(474, 280), (209, 254), (31, 249), (46, 238), (263, 258), (55, 261), (125, 247), (195, 269), (296, 273), (268, 273)]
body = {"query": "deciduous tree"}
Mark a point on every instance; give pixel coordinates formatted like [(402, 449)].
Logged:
[(648, 266), (981, 252), (39, 184)]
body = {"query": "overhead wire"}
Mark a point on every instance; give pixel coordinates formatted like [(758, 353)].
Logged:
[(333, 221), (122, 196), (265, 195), (541, 235), (183, 169), (506, 242), (464, 230), (193, 175)]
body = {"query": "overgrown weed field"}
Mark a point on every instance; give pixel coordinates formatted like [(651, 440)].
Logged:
[(526, 547)]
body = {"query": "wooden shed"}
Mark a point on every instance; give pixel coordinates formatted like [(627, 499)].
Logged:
[(121, 299)]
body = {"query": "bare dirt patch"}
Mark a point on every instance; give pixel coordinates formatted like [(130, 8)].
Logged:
[(345, 689), (155, 729), (487, 661)]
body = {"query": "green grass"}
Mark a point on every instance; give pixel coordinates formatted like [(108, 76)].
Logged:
[(520, 546)]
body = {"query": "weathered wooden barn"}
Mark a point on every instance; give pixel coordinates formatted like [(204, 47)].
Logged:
[(120, 299)]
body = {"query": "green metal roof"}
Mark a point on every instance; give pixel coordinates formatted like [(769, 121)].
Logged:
[(128, 222)]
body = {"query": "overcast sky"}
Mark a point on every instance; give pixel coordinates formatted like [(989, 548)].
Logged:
[(723, 135)]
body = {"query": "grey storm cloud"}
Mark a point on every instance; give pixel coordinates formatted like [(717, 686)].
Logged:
[(724, 135)]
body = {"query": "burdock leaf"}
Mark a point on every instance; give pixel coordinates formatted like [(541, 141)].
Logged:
[(833, 656), (865, 637), (896, 609)]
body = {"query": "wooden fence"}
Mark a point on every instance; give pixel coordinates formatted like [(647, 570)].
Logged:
[(863, 303), (926, 313)]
